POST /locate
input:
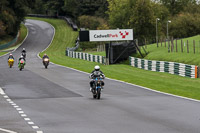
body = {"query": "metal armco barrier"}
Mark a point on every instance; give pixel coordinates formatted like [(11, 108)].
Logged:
[(164, 66), (86, 56), (4, 46)]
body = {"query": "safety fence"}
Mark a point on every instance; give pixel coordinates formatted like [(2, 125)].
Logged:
[(164, 66), (4, 46), (86, 56)]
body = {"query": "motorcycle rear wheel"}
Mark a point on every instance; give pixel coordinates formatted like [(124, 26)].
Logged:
[(94, 96)]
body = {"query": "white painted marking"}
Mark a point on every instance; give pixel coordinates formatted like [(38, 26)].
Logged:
[(35, 127), (5, 96), (31, 123), (39, 132), (16, 106), (27, 119), (23, 115), (21, 112), (11, 102), (18, 109), (8, 131), (8, 100), (1, 91)]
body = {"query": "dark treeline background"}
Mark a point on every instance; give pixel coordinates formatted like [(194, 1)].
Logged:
[(139, 15)]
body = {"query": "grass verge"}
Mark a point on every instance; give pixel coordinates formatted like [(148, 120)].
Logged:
[(23, 33), (65, 37), (161, 53)]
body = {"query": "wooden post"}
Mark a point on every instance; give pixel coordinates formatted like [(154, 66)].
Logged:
[(172, 45), (161, 42), (168, 46), (187, 47), (165, 42), (194, 45), (182, 46), (176, 46), (145, 41)]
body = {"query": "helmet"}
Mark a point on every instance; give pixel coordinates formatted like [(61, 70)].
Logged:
[(10, 54), (23, 48), (22, 56), (97, 68), (45, 54)]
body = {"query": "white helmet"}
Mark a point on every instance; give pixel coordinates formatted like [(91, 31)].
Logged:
[(97, 68), (22, 56), (23, 48)]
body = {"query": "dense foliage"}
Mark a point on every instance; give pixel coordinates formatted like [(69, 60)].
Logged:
[(140, 15), (12, 13)]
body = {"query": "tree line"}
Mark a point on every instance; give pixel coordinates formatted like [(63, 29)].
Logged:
[(12, 13), (139, 15)]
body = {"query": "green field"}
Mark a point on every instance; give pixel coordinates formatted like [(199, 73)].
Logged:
[(23, 33), (65, 37), (161, 53)]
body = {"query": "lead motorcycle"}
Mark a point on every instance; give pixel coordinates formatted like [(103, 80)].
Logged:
[(97, 86), (46, 62)]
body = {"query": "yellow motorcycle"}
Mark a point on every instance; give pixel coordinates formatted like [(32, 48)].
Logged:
[(10, 62)]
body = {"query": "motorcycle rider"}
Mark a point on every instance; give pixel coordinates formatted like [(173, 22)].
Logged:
[(10, 57), (22, 57), (45, 56), (96, 73), (23, 50)]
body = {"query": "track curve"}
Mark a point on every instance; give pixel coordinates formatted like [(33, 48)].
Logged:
[(59, 101)]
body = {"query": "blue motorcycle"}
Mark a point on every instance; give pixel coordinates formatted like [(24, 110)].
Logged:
[(97, 86)]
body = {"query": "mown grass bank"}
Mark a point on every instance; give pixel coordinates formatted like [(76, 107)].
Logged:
[(161, 53), (23, 33), (65, 37)]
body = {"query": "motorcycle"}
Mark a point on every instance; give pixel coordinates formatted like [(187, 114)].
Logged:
[(10, 62), (21, 64), (46, 62), (24, 55), (97, 86)]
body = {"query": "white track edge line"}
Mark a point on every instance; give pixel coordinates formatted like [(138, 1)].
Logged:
[(182, 97), (8, 131)]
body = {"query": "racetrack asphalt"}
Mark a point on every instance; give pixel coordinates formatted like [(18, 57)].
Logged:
[(58, 100)]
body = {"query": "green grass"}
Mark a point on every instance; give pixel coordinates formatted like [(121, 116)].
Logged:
[(6, 39), (161, 53), (2, 53), (164, 82), (23, 33), (96, 53)]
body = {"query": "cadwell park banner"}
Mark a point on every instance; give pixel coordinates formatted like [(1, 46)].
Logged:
[(111, 35)]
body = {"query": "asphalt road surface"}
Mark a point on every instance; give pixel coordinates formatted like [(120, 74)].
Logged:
[(57, 99)]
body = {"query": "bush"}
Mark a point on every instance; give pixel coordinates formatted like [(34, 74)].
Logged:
[(92, 22), (185, 25)]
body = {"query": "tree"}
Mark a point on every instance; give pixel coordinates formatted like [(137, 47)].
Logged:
[(176, 6), (12, 13), (142, 19)]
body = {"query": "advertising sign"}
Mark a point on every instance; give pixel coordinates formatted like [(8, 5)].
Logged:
[(111, 35)]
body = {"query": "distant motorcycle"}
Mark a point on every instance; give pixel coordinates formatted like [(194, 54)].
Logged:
[(10, 62), (97, 86), (24, 55), (21, 64), (46, 62)]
